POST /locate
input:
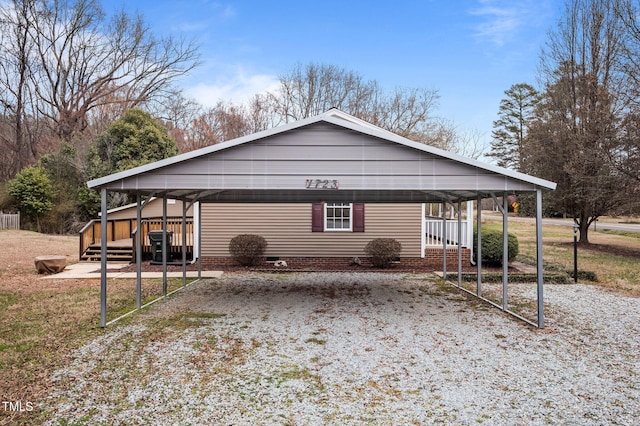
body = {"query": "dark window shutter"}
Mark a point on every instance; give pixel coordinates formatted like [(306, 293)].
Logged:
[(317, 217), (358, 217)]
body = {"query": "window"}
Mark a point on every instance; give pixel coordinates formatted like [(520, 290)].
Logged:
[(337, 217)]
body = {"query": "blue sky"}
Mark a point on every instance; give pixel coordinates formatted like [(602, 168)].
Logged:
[(470, 51)]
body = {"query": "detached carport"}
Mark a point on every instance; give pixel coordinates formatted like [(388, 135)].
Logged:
[(333, 157)]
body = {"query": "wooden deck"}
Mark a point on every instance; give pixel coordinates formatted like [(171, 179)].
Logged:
[(121, 239), (123, 250)]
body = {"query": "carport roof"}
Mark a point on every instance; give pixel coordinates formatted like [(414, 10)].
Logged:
[(331, 157)]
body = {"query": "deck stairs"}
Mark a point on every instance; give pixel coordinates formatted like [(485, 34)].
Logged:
[(117, 251)]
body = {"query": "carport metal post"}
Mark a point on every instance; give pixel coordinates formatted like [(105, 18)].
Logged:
[(459, 243), (479, 248), (539, 260), (199, 238), (164, 245), (444, 241), (139, 252), (103, 258), (505, 250), (184, 243)]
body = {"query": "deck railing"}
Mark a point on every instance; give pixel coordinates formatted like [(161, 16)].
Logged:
[(174, 226), (434, 232), (123, 229)]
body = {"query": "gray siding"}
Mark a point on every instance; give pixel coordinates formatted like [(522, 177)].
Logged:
[(287, 229), (323, 150)]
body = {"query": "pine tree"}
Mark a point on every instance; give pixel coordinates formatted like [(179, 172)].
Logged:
[(515, 115)]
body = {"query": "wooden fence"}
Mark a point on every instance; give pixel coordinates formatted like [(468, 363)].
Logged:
[(9, 221)]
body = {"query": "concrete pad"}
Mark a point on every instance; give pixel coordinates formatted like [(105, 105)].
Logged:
[(88, 271)]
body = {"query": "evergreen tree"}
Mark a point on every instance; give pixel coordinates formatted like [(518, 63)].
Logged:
[(515, 116), (134, 140)]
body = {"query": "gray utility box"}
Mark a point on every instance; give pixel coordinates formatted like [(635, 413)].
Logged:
[(155, 238)]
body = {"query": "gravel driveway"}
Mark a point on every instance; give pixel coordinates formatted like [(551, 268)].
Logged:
[(315, 349)]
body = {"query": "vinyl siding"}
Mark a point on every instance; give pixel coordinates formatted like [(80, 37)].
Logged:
[(287, 229), (279, 165), (153, 209)]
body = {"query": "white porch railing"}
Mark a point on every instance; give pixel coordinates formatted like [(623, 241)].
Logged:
[(433, 229)]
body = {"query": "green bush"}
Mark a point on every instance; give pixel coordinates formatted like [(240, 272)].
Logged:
[(382, 251), (492, 247), (517, 277), (247, 249), (584, 275), (33, 191)]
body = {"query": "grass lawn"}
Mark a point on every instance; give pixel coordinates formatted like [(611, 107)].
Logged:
[(612, 256), (42, 321)]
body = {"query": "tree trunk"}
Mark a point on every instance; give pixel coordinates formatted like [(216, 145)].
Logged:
[(584, 231)]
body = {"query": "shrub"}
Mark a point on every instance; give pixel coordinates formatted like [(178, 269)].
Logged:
[(33, 190), (382, 251), (247, 249), (584, 275), (518, 277), (492, 247)]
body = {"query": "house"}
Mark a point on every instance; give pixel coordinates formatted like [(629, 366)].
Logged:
[(303, 235), (327, 234), (323, 231)]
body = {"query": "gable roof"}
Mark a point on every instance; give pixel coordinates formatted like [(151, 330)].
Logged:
[(368, 164)]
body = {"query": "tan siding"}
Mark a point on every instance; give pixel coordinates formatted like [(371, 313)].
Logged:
[(153, 209), (287, 229)]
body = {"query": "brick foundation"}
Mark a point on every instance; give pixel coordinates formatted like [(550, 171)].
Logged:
[(434, 257), (432, 261)]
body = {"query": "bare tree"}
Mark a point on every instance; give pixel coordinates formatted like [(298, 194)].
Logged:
[(577, 120), (261, 112), (469, 143), (314, 89), (84, 59), (627, 12), (408, 113), (221, 123), (177, 113), (177, 110), (626, 157), (15, 54), (66, 67)]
